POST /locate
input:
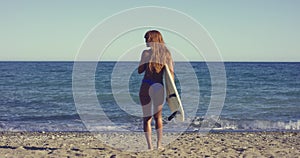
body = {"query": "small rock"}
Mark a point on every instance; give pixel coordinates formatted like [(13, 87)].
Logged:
[(75, 149), (113, 156)]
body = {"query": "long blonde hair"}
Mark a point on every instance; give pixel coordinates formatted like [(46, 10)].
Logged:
[(160, 53)]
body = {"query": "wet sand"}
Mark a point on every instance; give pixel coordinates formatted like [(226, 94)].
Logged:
[(85, 144)]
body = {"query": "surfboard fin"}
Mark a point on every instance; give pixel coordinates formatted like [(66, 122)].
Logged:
[(172, 95), (172, 116)]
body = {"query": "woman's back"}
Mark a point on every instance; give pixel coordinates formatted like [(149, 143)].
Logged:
[(153, 75)]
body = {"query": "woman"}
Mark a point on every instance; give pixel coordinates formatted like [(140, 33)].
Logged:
[(153, 62)]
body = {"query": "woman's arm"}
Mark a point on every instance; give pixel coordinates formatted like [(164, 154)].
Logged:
[(143, 62), (141, 68)]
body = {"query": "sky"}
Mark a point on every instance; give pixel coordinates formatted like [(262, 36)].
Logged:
[(255, 30)]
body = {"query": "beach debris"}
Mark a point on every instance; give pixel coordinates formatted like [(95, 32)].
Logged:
[(205, 123)]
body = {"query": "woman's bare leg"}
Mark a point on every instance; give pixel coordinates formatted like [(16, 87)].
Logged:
[(148, 131), (147, 124), (157, 95), (158, 125)]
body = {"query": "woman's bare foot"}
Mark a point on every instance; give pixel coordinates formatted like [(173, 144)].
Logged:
[(160, 148), (150, 147)]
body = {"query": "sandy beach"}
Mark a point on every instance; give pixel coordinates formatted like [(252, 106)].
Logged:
[(85, 144)]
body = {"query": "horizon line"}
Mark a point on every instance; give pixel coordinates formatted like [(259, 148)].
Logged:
[(266, 61)]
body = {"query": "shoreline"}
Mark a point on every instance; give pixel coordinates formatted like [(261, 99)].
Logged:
[(120, 144)]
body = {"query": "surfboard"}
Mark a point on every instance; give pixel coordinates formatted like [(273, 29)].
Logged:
[(173, 98)]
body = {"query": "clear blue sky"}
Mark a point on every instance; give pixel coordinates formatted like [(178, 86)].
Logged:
[(253, 30)]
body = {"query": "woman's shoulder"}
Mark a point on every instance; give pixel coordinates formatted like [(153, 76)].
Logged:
[(147, 52)]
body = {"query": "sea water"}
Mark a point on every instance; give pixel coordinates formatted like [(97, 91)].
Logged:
[(39, 96)]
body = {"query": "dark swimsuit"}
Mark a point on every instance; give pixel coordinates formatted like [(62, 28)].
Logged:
[(150, 82), (145, 97), (147, 83)]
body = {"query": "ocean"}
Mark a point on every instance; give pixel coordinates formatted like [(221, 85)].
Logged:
[(39, 96)]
